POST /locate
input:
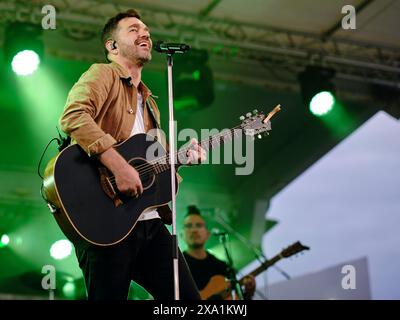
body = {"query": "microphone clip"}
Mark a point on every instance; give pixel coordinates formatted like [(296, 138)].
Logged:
[(171, 48), (219, 233)]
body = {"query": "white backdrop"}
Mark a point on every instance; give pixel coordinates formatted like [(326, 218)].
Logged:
[(346, 206)]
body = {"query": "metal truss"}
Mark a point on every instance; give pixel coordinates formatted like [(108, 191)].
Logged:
[(260, 54)]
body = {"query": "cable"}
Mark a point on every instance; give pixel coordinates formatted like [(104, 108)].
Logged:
[(62, 143), (44, 152)]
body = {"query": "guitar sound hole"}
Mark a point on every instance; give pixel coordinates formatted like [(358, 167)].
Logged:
[(146, 171)]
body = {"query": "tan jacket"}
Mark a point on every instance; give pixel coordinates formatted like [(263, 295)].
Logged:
[(101, 108)]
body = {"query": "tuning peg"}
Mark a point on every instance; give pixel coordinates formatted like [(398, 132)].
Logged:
[(255, 111), (241, 118), (248, 114)]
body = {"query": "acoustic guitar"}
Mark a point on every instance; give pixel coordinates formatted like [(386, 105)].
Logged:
[(219, 287), (87, 204)]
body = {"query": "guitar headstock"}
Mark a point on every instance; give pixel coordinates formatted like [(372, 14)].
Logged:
[(255, 123), (293, 249)]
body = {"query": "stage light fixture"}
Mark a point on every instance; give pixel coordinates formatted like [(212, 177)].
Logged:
[(193, 80), (23, 47), (69, 289), (4, 240), (61, 249), (318, 90)]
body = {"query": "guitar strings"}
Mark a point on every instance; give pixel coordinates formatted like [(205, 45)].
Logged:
[(148, 167), (162, 166), (151, 166)]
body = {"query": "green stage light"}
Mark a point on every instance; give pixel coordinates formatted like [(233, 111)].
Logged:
[(24, 47), (193, 81), (317, 89), (61, 249), (322, 103), (196, 75), (69, 290), (25, 62), (185, 103), (4, 240)]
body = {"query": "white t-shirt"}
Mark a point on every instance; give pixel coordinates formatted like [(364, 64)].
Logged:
[(138, 127)]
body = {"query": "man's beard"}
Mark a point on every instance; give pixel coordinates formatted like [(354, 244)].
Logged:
[(133, 55), (195, 245)]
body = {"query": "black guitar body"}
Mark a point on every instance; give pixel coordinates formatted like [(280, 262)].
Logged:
[(86, 212)]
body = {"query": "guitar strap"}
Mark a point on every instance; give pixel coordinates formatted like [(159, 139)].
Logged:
[(153, 115)]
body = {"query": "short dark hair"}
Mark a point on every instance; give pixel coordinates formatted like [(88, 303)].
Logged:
[(112, 24), (193, 210)]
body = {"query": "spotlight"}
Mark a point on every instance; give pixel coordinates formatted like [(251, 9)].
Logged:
[(23, 47), (69, 289), (61, 249), (193, 80), (25, 62), (322, 103), (4, 240), (317, 89)]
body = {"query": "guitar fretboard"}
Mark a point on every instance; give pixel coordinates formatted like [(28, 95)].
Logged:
[(163, 164), (264, 266)]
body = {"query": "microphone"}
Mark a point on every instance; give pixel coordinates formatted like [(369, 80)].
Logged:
[(218, 232), (162, 47)]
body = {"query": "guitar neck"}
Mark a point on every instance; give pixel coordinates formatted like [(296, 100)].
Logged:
[(263, 267), (207, 144), (218, 139), (162, 164)]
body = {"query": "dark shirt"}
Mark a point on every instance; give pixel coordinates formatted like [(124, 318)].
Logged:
[(203, 269)]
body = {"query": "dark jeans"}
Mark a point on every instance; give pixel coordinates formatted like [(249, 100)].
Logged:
[(145, 257)]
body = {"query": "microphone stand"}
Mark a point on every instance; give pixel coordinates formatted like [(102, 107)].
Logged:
[(232, 273), (170, 49), (175, 248), (257, 253)]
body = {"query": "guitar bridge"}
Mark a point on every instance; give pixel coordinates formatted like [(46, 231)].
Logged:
[(109, 187)]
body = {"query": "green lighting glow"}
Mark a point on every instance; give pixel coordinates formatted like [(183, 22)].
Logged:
[(218, 48), (18, 241), (322, 103), (186, 103), (69, 290), (25, 62), (41, 108), (61, 249), (4, 241), (234, 51), (196, 75), (340, 114)]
